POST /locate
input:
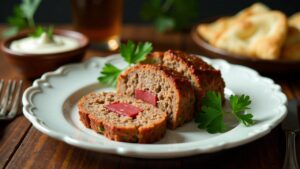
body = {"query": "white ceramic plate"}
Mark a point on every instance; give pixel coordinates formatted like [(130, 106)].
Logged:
[(50, 105)]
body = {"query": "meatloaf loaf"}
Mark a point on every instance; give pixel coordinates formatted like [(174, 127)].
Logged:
[(202, 76), (161, 87), (122, 118)]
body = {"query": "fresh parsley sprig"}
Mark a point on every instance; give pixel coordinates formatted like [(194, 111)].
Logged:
[(132, 54), (23, 17), (238, 105), (40, 30), (170, 14), (109, 75), (211, 117), (29, 8), (17, 22)]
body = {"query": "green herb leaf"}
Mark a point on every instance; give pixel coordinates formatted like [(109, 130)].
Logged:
[(141, 51), (127, 51), (10, 31), (17, 22), (184, 13), (29, 7), (109, 75), (164, 23), (101, 129), (151, 9), (170, 14), (50, 32), (246, 119), (40, 30), (238, 105), (133, 54), (18, 19), (211, 117), (22, 17)]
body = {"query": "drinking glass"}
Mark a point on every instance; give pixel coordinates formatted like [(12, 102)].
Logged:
[(100, 20)]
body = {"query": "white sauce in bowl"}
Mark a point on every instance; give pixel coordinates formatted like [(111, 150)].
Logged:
[(44, 45)]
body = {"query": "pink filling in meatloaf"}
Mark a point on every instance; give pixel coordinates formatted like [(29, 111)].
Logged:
[(202, 76), (145, 96), (162, 87), (124, 109), (122, 118)]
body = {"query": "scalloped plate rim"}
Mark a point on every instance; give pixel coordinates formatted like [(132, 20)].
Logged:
[(120, 150)]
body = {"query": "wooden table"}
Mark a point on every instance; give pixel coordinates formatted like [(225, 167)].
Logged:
[(22, 146)]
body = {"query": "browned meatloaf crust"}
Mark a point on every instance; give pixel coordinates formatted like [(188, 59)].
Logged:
[(202, 75), (147, 127), (174, 92)]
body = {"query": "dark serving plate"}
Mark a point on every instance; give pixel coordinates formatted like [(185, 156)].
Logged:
[(272, 67)]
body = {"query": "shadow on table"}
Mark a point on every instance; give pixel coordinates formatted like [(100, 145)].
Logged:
[(264, 153), (3, 125)]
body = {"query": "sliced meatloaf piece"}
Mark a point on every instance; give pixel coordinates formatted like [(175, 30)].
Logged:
[(161, 87), (122, 118), (202, 76)]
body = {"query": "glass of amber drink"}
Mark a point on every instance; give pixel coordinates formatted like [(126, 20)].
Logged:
[(100, 20)]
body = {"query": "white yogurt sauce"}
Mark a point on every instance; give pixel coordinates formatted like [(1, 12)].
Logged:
[(44, 45)]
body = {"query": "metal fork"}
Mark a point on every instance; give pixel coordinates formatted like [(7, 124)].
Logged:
[(11, 98)]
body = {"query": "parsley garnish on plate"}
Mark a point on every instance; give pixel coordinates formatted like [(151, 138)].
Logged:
[(110, 74), (211, 117), (238, 105), (132, 54)]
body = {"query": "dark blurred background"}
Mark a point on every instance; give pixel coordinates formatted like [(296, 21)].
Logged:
[(59, 11)]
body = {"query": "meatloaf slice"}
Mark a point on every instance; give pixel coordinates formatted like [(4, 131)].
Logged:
[(202, 76), (148, 126), (162, 87)]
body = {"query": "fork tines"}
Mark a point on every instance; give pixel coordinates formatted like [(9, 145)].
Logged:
[(10, 99)]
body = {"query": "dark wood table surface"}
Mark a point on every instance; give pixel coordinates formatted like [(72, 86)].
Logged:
[(22, 146)]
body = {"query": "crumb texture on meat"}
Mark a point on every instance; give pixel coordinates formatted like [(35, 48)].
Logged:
[(202, 76), (148, 126), (173, 91)]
